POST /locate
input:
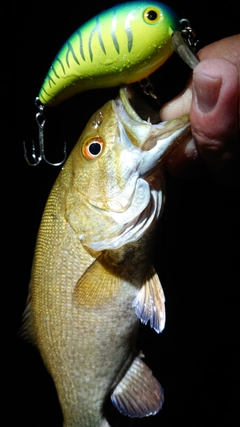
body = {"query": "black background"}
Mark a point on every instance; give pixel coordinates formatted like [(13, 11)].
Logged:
[(197, 356)]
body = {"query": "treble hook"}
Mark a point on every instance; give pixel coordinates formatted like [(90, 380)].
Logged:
[(40, 119)]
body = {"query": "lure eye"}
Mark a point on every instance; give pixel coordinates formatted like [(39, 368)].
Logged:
[(92, 148), (152, 15)]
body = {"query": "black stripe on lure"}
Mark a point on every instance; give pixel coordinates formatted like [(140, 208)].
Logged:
[(121, 45)]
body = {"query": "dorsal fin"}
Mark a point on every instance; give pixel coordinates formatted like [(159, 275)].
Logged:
[(27, 330)]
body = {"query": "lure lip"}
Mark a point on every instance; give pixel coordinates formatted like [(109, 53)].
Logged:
[(180, 46)]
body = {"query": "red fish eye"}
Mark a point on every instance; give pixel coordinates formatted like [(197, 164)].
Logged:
[(152, 15), (92, 148)]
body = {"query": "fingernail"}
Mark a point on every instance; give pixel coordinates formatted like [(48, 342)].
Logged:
[(206, 91)]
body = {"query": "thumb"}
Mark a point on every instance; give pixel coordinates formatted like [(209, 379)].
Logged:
[(214, 110)]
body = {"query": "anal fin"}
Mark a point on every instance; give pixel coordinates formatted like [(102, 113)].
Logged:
[(138, 394), (150, 302)]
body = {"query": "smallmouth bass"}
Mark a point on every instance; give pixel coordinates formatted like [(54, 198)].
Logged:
[(92, 277)]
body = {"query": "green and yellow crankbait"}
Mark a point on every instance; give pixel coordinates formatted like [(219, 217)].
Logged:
[(121, 45)]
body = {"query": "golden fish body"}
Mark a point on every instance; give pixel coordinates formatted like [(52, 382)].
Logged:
[(92, 276)]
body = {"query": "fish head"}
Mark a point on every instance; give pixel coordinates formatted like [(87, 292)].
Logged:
[(117, 185)]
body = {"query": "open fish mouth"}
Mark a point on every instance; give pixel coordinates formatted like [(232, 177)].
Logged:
[(139, 104), (143, 127)]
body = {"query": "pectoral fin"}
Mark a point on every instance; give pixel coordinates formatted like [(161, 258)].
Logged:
[(150, 302), (138, 394), (98, 285)]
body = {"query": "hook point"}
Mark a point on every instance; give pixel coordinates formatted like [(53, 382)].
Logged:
[(40, 119)]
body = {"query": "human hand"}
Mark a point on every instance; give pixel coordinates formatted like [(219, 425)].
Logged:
[(212, 99)]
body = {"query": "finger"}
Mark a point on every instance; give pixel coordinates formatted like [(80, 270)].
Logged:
[(178, 106), (214, 111), (227, 49), (225, 143)]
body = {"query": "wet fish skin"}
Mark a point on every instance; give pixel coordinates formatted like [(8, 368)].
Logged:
[(86, 281)]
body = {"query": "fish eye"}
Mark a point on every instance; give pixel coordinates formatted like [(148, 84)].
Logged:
[(93, 147), (152, 15)]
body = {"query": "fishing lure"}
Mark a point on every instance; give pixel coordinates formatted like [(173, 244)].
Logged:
[(121, 45)]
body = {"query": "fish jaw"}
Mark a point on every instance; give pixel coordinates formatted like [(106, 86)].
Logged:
[(165, 144)]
